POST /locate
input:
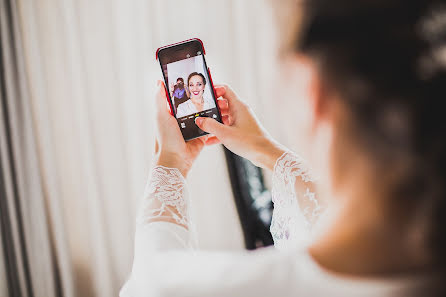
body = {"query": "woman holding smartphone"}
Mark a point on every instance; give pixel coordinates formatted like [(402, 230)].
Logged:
[(369, 78)]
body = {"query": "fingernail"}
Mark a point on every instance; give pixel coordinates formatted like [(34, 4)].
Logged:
[(198, 121)]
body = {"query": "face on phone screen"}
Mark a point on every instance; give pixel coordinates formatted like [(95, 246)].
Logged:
[(189, 87)]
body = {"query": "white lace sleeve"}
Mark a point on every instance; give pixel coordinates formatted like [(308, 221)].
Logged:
[(162, 225), (167, 262), (295, 205), (165, 198)]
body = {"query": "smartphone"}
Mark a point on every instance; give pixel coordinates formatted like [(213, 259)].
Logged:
[(189, 86)]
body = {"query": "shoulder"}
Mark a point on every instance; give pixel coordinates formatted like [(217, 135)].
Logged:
[(209, 102), (185, 104), (183, 107)]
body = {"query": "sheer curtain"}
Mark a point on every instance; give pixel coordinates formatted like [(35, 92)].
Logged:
[(91, 70)]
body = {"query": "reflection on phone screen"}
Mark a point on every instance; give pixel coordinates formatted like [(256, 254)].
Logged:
[(190, 90)]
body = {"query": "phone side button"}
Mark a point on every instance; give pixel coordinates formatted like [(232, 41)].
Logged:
[(212, 82)]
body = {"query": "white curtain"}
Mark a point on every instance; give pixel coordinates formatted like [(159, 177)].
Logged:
[(91, 69)]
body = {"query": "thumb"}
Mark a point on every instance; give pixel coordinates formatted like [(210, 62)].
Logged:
[(211, 126)]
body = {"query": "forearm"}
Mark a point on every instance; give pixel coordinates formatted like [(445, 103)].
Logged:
[(267, 152), (171, 160)]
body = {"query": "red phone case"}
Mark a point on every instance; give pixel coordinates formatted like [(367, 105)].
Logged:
[(176, 43), (209, 71)]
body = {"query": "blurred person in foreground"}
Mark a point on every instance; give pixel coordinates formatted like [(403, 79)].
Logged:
[(369, 81)]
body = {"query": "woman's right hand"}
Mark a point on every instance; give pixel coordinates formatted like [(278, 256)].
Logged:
[(241, 132)]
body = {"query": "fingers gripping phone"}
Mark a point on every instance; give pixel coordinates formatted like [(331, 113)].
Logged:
[(189, 87)]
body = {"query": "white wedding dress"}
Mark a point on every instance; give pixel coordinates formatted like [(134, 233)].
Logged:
[(167, 262)]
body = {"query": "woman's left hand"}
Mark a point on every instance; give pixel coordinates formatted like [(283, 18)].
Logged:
[(170, 148)]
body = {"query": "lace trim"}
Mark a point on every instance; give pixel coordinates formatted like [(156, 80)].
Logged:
[(165, 198), (292, 211)]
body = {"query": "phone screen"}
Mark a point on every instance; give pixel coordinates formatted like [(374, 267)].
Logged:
[(189, 86)]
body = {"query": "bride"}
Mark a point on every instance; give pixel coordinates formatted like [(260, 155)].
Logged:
[(373, 128), (196, 82)]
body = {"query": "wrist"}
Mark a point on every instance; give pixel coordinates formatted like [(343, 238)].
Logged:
[(172, 160), (268, 151)]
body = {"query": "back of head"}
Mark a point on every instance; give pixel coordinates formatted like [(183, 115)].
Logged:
[(387, 61)]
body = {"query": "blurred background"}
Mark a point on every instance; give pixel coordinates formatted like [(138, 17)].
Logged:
[(77, 111)]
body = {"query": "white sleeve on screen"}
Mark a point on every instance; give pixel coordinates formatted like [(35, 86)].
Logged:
[(186, 108), (181, 110)]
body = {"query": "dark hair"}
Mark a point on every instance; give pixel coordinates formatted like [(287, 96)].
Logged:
[(383, 58), (180, 79), (196, 73)]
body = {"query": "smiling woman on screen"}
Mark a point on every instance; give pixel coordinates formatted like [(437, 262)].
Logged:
[(196, 83)]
